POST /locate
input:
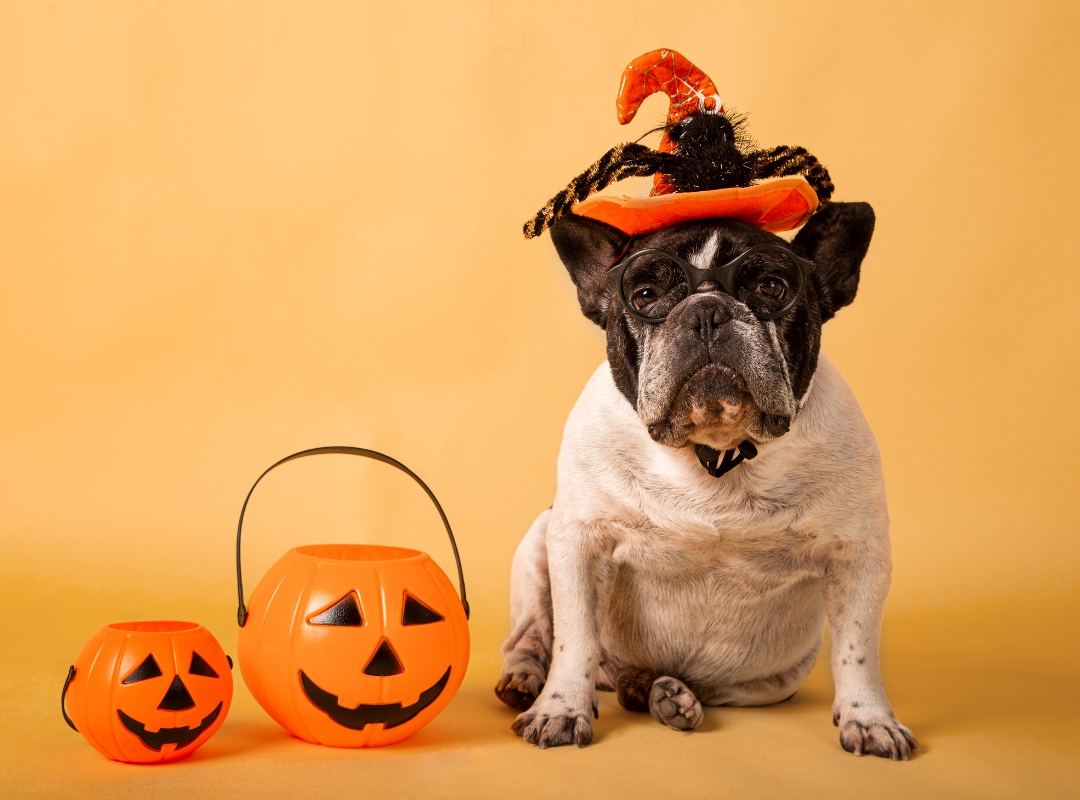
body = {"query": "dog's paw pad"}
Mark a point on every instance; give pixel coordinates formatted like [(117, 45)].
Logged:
[(519, 689), (672, 702), (878, 735)]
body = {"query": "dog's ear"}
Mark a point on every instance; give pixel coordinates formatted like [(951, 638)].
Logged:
[(587, 248), (836, 239)]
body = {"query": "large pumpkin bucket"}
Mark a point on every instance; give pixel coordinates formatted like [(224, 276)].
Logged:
[(353, 645)]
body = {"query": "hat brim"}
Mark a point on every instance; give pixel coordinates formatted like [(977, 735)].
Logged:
[(775, 206)]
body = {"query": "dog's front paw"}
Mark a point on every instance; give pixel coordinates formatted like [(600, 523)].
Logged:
[(672, 702), (877, 732), (519, 688), (552, 722)]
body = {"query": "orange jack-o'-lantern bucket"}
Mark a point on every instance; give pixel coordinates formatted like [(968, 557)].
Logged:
[(353, 645), (148, 692)]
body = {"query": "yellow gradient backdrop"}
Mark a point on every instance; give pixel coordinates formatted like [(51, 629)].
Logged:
[(234, 230)]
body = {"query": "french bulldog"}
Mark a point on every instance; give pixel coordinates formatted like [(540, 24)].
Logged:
[(677, 589)]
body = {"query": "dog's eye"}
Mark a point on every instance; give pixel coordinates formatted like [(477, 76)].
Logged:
[(643, 297), (771, 287)]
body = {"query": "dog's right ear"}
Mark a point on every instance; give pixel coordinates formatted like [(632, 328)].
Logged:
[(836, 239), (587, 249)]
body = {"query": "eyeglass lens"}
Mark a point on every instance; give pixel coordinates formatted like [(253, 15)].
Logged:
[(653, 285)]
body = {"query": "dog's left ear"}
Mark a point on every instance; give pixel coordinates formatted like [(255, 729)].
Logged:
[(588, 248), (836, 239)]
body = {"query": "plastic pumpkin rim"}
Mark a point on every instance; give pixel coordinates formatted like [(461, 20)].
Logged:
[(154, 626), (360, 552)]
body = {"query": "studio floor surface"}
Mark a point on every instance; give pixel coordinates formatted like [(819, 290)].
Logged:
[(987, 691)]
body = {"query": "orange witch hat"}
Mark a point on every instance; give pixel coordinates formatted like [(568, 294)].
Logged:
[(706, 165)]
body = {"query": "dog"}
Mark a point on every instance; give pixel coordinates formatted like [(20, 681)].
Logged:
[(677, 589)]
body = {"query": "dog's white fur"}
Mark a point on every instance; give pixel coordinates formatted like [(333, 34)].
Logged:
[(645, 561)]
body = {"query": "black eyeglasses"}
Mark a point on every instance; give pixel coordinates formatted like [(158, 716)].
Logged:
[(769, 279)]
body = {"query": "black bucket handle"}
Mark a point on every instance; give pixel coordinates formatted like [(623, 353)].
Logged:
[(242, 612), (63, 697)]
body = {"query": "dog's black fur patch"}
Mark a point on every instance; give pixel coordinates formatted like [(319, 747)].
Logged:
[(632, 689)]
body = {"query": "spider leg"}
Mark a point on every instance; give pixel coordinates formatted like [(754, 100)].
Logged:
[(622, 161), (784, 161)]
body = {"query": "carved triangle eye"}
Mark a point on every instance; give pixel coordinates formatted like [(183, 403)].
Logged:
[(345, 611), (147, 669), (200, 667), (416, 613)]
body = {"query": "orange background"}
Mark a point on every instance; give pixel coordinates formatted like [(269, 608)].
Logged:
[(229, 231)]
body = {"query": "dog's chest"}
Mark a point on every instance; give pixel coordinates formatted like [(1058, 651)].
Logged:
[(730, 525), (730, 558), (720, 600)]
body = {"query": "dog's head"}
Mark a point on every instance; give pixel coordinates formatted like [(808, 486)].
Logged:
[(712, 372)]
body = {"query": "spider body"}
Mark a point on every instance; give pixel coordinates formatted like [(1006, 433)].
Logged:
[(709, 152)]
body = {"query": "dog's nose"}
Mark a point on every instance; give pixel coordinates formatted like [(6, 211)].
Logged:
[(705, 318)]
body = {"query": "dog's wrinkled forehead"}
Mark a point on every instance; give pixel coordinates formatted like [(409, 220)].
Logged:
[(706, 243)]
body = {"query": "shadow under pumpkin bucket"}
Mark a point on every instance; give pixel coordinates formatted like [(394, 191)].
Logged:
[(353, 645)]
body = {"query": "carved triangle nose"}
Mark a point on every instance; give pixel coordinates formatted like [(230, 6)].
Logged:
[(385, 662), (177, 698)]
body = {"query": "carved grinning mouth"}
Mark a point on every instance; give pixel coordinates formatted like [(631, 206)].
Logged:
[(389, 714), (180, 737)]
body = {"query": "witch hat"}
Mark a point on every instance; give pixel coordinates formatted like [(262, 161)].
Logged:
[(706, 165)]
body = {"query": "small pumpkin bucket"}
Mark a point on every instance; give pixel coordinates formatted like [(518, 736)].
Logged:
[(148, 692), (353, 645)]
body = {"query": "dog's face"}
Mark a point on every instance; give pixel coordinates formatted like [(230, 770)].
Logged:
[(712, 372)]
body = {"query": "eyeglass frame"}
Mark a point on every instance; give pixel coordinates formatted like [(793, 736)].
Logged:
[(723, 276)]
